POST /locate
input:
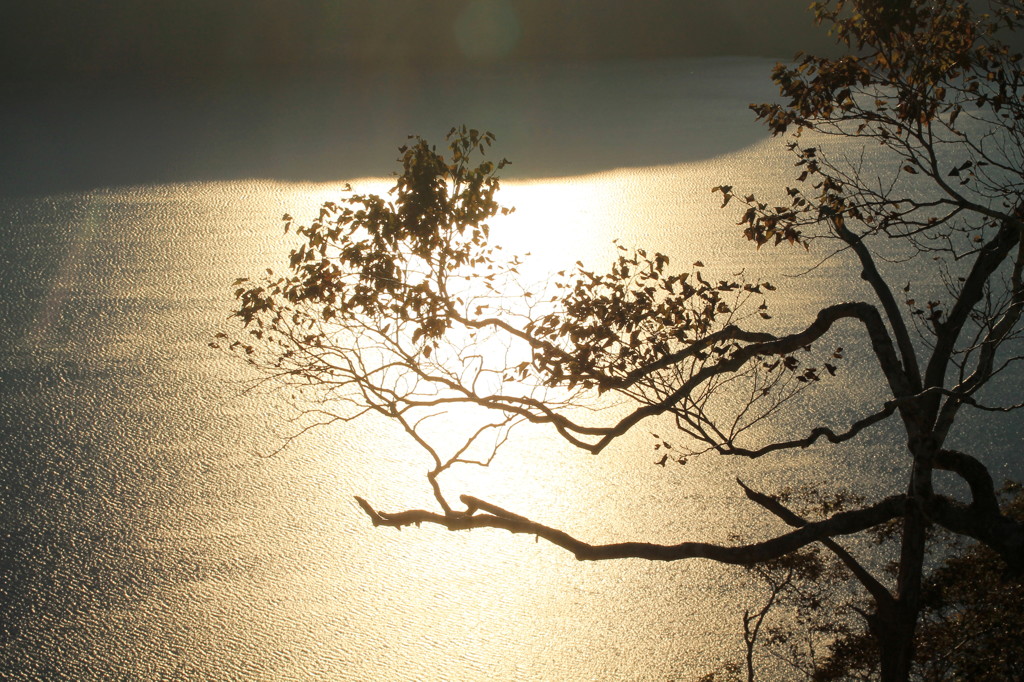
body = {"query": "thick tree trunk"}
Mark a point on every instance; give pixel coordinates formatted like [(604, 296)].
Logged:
[(896, 625), (895, 634)]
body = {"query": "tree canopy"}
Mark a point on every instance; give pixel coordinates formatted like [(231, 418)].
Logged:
[(400, 305)]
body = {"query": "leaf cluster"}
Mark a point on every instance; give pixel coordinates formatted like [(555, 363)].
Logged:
[(921, 59), (612, 324), (387, 258)]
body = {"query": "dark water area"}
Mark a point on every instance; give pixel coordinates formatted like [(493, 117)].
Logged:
[(550, 120), (200, 38)]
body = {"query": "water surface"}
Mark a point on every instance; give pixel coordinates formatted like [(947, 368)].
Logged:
[(149, 532)]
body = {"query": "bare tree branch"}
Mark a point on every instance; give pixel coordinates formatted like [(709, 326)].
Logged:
[(816, 434), (843, 523)]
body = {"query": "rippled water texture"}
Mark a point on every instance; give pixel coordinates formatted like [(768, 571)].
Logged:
[(149, 534)]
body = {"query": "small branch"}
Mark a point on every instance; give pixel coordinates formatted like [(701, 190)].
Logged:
[(817, 433)]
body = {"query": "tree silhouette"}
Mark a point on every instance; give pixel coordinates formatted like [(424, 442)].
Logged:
[(809, 620), (399, 305)]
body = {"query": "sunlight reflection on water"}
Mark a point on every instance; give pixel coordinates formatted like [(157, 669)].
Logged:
[(150, 536), (220, 563)]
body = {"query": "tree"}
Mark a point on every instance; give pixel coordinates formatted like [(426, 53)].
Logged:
[(809, 623), (398, 305)]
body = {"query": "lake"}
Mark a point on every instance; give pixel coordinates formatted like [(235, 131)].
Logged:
[(152, 531)]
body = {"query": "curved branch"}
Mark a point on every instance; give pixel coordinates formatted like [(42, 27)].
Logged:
[(983, 490), (997, 531), (817, 433), (869, 273), (729, 333), (843, 523), (866, 313), (761, 345)]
